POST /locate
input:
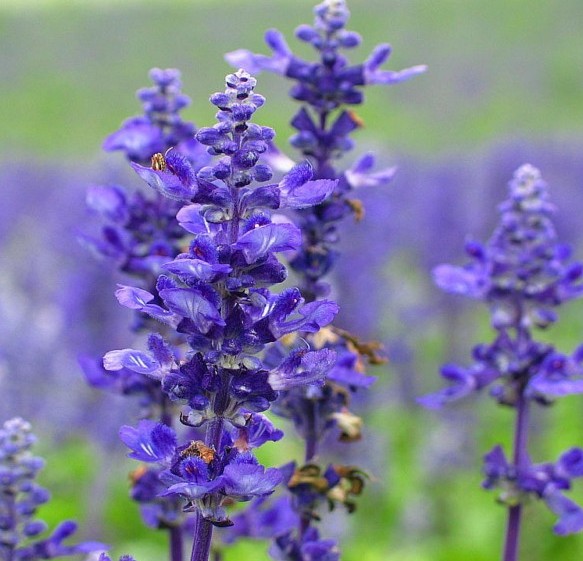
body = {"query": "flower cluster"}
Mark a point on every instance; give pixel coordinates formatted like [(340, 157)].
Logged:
[(318, 409), (522, 273), (205, 477), (326, 89), (216, 296), (543, 481), (140, 232), (20, 497), (140, 235), (161, 125)]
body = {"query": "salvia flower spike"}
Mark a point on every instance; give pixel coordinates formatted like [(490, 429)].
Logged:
[(21, 533), (522, 273), (217, 296), (140, 234), (327, 90)]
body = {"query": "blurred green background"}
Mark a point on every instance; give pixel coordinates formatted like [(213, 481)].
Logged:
[(498, 70)]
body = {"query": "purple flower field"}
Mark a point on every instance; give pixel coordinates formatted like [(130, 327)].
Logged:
[(240, 324)]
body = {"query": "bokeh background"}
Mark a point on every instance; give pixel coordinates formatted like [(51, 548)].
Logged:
[(504, 86)]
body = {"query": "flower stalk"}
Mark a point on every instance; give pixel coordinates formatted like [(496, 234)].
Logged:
[(522, 273)]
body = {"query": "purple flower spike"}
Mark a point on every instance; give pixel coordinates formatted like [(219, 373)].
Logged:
[(161, 126), (20, 497), (331, 82), (219, 319), (522, 273)]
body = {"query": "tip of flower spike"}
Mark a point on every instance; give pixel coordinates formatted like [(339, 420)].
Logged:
[(165, 77), (331, 15), (527, 181), (241, 81)]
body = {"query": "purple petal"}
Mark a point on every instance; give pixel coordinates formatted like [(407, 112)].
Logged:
[(458, 280), (310, 193), (495, 466), (137, 361), (379, 56), (388, 77), (267, 196), (359, 174), (344, 124), (160, 314), (345, 371), (313, 316), (138, 138), (244, 481), (194, 490), (191, 219), (277, 43), (191, 304), (464, 383), (364, 164), (251, 62), (167, 183), (296, 177), (571, 463), (306, 33), (109, 201), (257, 431), (303, 122), (298, 191), (150, 441), (197, 269), (372, 74), (262, 240), (570, 514), (94, 372), (133, 298), (256, 63), (302, 368)]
